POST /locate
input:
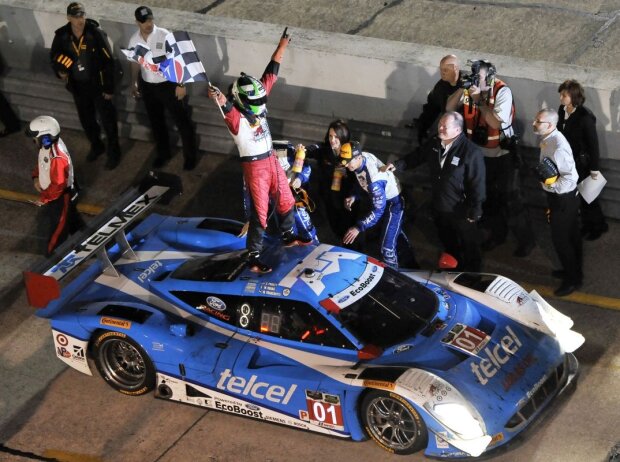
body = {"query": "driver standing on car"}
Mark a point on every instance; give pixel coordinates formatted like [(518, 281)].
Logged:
[(54, 180), (245, 115)]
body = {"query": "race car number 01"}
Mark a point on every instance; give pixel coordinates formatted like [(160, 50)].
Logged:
[(468, 339), (325, 413)]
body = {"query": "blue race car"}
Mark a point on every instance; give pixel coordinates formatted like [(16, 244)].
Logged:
[(331, 341)]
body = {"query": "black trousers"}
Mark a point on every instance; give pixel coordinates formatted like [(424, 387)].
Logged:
[(460, 238), (159, 97), (89, 102), (504, 208), (7, 115), (63, 219), (592, 218), (566, 235)]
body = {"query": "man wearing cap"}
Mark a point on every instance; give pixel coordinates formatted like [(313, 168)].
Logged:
[(160, 95), (563, 200), (80, 56), (387, 203)]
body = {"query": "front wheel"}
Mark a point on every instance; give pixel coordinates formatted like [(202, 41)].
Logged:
[(393, 423), (123, 363)]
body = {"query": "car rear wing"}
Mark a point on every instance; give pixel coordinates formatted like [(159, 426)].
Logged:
[(42, 282)]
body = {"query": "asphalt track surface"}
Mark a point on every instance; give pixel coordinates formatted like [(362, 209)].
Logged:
[(51, 412)]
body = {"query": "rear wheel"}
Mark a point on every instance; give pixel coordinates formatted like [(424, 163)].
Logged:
[(123, 363), (393, 423)]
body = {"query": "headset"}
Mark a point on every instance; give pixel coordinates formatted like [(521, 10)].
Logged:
[(489, 66)]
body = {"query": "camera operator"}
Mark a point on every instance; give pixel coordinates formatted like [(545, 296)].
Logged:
[(487, 106)]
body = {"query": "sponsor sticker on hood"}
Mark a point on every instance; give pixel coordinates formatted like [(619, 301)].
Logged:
[(367, 280)]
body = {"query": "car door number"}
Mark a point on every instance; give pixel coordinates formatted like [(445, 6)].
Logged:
[(323, 410)]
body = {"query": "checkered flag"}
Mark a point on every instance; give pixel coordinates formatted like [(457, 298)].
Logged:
[(180, 64)]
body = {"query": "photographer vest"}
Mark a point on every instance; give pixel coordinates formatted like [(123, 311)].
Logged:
[(473, 117)]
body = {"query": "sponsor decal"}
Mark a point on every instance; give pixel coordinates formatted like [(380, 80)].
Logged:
[(402, 348), (522, 298), (258, 390), (380, 384), (78, 353), (237, 409), (103, 234), (121, 323), (62, 351), (514, 375), (494, 358), (286, 292), (322, 262), (214, 312), (363, 285), (467, 339), (250, 287), (366, 281), (62, 340), (496, 439), (216, 303), (323, 410), (150, 271), (157, 346), (440, 440)]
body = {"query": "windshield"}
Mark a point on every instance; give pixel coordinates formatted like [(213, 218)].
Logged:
[(396, 309)]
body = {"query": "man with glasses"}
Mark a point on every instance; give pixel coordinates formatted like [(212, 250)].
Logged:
[(563, 201)]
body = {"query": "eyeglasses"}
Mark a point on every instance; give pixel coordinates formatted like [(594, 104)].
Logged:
[(536, 121)]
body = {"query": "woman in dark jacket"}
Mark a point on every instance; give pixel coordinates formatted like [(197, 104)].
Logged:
[(578, 124), (332, 191)]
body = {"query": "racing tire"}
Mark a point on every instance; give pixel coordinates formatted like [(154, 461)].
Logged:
[(123, 364), (393, 423)]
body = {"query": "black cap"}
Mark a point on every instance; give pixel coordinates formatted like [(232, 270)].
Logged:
[(76, 10), (143, 13)]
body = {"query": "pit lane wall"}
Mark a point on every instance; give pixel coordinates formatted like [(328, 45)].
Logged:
[(378, 85)]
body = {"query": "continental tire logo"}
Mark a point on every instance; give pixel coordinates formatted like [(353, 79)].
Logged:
[(380, 384), (120, 323), (102, 337)]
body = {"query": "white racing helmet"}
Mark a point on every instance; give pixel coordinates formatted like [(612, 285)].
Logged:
[(45, 130)]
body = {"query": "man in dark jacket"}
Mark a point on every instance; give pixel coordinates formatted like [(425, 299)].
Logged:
[(80, 56), (457, 173), (449, 82)]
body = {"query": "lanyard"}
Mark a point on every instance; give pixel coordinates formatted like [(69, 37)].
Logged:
[(79, 47)]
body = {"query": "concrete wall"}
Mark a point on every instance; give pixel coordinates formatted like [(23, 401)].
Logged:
[(324, 75)]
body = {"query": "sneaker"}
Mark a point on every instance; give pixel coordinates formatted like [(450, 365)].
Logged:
[(257, 266), (291, 240)]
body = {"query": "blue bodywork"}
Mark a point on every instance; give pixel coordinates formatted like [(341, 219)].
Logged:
[(288, 346)]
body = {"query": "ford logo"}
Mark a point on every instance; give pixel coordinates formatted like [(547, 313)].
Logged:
[(343, 299), (216, 303), (252, 407)]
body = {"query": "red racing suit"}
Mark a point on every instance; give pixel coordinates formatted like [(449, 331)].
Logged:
[(262, 172), (54, 171)]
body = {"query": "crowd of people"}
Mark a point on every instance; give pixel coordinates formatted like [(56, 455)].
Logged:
[(472, 155)]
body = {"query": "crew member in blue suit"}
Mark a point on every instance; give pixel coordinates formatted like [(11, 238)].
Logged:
[(387, 207)]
